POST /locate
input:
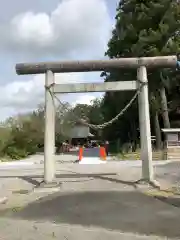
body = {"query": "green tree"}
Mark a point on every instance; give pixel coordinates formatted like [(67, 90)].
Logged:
[(143, 28)]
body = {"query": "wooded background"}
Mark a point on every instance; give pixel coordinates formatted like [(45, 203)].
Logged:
[(143, 28)]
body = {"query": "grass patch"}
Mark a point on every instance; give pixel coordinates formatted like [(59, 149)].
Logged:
[(8, 212), (7, 159), (156, 155), (159, 193), (129, 156), (22, 191), (16, 209)]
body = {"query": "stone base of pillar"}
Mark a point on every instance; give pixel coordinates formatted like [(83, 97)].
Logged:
[(48, 187), (143, 183)]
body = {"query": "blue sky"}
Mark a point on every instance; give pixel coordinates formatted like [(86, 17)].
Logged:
[(46, 30)]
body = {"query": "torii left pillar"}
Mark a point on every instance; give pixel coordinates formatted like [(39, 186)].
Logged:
[(49, 134)]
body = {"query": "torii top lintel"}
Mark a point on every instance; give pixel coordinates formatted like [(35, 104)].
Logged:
[(96, 65)]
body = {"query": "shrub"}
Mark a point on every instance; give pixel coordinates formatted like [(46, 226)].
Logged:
[(15, 153)]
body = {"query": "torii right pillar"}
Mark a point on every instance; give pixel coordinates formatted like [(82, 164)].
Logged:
[(144, 123)]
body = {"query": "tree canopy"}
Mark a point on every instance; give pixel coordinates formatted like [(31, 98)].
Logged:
[(143, 28)]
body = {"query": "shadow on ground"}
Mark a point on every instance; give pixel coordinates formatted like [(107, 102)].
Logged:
[(173, 201), (127, 211)]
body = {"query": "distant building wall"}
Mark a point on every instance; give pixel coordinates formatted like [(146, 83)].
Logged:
[(79, 132)]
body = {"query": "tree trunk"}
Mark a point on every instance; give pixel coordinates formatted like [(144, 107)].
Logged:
[(134, 135), (164, 107), (99, 134), (157, 131)]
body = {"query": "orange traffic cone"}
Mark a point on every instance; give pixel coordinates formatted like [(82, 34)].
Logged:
[(102, 152), (80, 153)]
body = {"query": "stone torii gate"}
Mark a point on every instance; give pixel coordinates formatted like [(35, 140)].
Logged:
[(49, 68)]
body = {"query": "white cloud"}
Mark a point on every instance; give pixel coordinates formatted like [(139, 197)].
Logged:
[(75, 25), (26, 95), (75, 29), (32, 28), (84, 99)]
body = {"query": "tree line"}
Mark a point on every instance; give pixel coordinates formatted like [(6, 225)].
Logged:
[(23, 134)]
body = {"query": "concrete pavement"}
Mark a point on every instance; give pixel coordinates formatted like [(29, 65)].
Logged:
[(31, 230), (94, 202)]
